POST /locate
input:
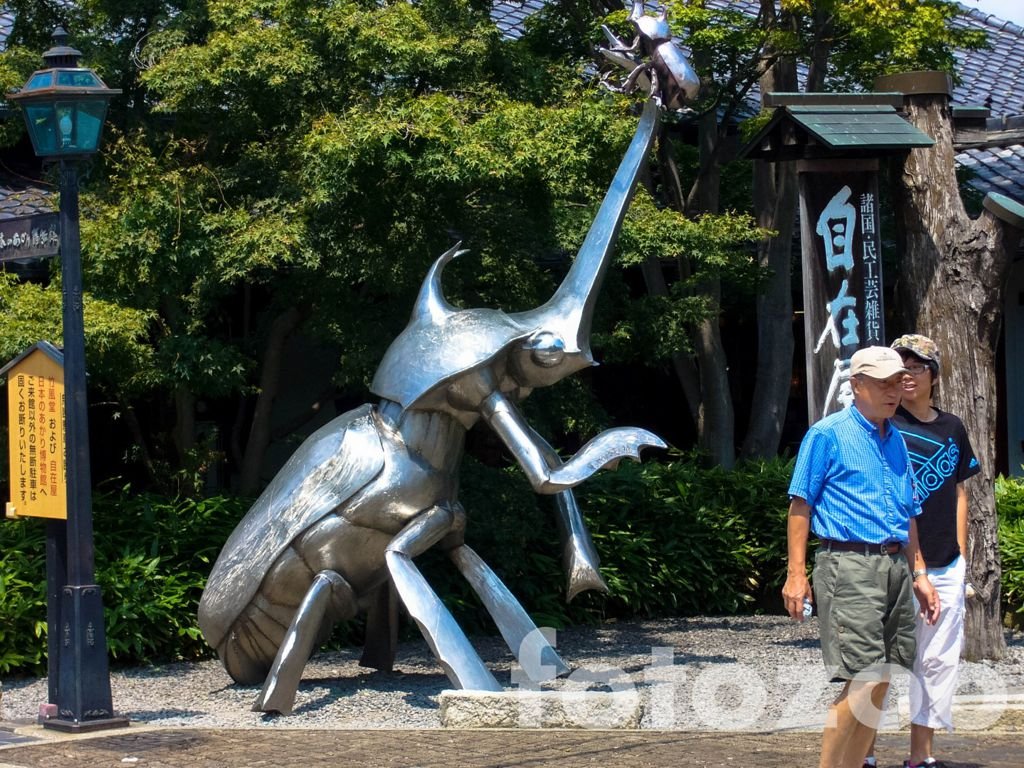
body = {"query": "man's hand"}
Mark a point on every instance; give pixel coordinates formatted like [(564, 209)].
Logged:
[(927, 599), (795, 590)]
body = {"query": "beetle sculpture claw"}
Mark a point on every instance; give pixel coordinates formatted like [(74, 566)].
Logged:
[(338, 529), (655, 63)]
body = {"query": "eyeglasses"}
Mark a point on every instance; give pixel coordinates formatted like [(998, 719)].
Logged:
[(917, 370)]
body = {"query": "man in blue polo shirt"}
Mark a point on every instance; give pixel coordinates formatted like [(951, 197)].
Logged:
[(853, 487)]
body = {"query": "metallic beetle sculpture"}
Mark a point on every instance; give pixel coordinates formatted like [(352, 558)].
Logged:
[(655, 62), (337, 529)]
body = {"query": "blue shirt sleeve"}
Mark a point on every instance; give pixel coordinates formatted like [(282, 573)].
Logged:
[(817, 450)]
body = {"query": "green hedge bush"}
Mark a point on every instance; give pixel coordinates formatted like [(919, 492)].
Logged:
[(22, 595), (674, 538), (1010, 508), (152, 558)]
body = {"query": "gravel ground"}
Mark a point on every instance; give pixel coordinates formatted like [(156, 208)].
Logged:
[(761, 672)]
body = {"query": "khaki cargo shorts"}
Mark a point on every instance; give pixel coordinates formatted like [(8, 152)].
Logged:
[(865, 611)]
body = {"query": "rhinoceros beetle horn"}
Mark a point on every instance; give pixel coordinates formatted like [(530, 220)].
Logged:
[(431, 305), (569, 312)]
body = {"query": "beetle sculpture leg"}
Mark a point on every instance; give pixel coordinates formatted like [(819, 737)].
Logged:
[(535, 655), (452, 649), (578, 552), (329, 593), (581, 560)]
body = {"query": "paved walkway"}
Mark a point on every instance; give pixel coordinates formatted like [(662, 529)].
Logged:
[(174, 748)]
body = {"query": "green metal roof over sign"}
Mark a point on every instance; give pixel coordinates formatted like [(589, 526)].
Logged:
[(798, 131)]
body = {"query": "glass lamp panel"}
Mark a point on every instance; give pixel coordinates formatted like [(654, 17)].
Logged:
[(88, 123), (42, 128), (67, 127), (78, 78), (39, 80)]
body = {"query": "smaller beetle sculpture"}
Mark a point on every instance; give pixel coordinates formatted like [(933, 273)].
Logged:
[(655, 63), (337, 530)]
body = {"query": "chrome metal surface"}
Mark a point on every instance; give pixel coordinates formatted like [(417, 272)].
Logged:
[(512, 621), (338, 529), (655, 63)]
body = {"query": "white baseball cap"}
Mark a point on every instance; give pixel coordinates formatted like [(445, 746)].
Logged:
[(876, 362)]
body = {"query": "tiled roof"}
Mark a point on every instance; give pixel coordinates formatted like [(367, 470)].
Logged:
[(996, 169), (811, 125), (993, 76), (18, 200), (868, 126), (510, 15)]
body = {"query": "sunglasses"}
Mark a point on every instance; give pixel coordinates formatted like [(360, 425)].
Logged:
[(917, 369)]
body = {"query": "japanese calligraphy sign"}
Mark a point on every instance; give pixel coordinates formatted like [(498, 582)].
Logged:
[(35, 407), (29, 237), (842, 275)]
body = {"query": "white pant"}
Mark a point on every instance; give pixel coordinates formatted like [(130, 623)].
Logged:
[(937, 662)]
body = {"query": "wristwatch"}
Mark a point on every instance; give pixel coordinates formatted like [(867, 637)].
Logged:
[(918, 572)]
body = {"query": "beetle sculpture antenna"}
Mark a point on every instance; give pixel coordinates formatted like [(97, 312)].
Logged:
[(339, 527)]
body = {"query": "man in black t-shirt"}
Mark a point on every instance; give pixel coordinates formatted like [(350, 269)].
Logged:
[(943, 459)]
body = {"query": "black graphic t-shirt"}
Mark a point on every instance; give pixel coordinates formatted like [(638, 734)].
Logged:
[(942, 457)]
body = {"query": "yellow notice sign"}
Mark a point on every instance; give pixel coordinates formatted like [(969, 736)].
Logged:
[(35, 407)]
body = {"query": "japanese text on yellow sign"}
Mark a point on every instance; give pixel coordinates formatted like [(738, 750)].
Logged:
[(35, 402)]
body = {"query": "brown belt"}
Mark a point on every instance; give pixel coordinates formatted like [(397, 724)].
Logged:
[(886, 548)]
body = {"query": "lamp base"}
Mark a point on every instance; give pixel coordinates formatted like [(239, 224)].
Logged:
[(83, 685), (83, 726)]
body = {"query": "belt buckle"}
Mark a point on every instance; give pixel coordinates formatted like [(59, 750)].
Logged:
[(889, 547)]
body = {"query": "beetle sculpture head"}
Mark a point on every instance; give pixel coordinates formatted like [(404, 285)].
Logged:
[(654, 30), (535, 348)]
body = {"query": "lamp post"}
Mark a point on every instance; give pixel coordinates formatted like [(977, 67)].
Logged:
[(64, 107)]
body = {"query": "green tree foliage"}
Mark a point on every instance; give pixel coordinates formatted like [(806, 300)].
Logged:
[(291, 167), (117, 337), (870, 38), (286, 168)]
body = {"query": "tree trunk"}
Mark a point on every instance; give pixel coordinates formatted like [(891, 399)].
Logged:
[(270, 379), (184, 422), (185, 436), (817, 71), (950, 287), (131, 418), (682, 363), (716, 428), (775, 200), (716, 423)]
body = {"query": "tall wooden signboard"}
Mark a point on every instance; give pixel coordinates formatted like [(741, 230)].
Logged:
[(842, 275), (837, 140)]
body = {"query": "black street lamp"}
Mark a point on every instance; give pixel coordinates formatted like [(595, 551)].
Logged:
[(64, 107)]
